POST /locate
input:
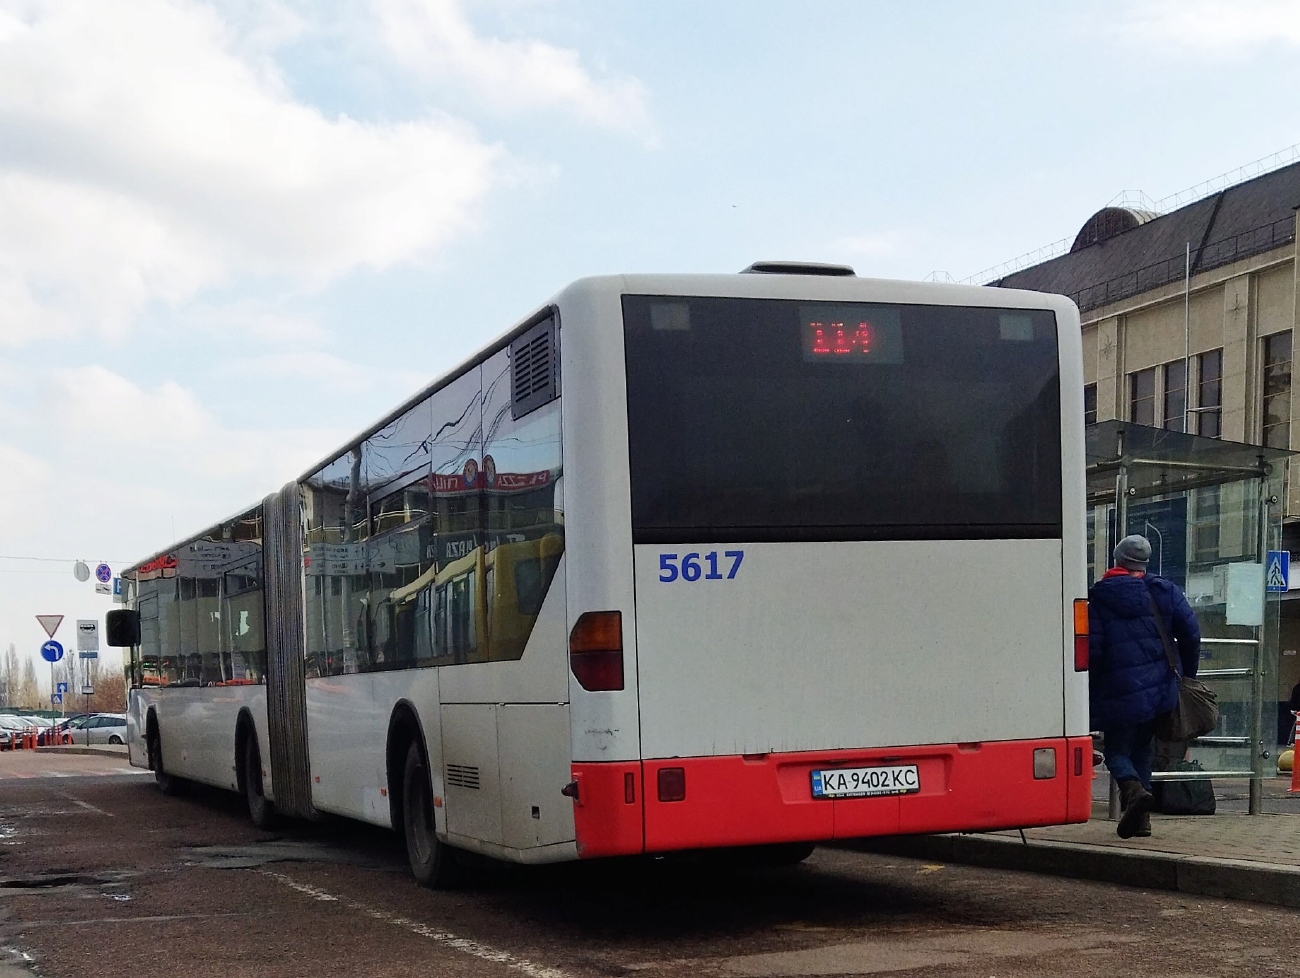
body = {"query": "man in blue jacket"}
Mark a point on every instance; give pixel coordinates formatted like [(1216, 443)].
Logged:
[(1130, 681)]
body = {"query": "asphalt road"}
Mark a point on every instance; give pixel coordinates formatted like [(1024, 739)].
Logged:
[(100, 875)]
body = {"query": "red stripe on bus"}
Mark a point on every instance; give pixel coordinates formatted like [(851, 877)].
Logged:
[(760, 799), (1079, 783), (605, 822)]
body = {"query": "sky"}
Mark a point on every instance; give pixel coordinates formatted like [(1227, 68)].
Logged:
[(233, 234)]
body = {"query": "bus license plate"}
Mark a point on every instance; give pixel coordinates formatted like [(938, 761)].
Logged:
[(862, 782)]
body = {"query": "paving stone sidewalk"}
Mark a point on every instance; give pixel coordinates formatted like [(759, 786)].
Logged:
[(1271, 839), (1230, 855)]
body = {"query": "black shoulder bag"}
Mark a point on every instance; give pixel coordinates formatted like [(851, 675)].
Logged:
[(1197, 712)]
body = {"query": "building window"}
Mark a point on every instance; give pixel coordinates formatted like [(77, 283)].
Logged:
[(1277, 391), (1142, 397), (1205, 525), (1209, 394), (1089, 403), (1175, 401), (1092, 543)]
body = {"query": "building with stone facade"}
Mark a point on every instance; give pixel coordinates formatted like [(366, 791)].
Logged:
[(1188, 322)]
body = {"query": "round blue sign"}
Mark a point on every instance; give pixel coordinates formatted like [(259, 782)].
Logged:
[(103, 574), (51, 651)]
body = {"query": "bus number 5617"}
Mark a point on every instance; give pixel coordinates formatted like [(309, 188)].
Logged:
[(694, 567)]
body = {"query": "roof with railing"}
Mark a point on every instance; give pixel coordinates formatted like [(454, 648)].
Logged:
[(1232, 223)]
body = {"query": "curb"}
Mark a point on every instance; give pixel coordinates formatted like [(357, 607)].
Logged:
[(105, 750), (1226, 879)]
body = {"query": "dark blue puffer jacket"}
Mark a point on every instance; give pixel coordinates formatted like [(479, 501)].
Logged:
[(1129, 680)]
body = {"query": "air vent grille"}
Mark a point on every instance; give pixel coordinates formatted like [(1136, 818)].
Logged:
[(534, 369), (463, 776)]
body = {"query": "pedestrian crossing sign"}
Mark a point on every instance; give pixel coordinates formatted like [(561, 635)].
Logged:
[(1277, 571)]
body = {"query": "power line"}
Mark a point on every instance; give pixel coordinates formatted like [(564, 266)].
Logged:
[(52, 560)]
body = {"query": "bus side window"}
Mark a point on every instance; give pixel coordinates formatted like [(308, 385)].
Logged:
[(522, 469), (455, 540), (149, 649), (396, 469)]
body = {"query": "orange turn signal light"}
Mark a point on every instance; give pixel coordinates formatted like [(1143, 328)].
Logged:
[(596, 651), (1080, 634)]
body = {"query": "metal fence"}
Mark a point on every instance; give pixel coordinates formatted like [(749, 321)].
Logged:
[(1213, 254)]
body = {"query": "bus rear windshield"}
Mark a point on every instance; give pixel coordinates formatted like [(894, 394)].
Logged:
[(783, 420)]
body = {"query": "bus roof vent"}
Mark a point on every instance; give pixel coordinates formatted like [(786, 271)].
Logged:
[(796, 268), (534, 369)]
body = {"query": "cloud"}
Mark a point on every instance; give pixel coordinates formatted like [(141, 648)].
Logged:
[(435, 39), (148, 151), (159, 447), (1224, 26), (94, 401), (253, 318), (26, 482), (326, 371)]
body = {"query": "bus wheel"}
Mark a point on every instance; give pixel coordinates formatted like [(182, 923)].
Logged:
[(260, 811), (167, 784), (432, 863)]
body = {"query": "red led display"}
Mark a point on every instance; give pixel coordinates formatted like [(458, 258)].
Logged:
[(840, 339), (859, 333)]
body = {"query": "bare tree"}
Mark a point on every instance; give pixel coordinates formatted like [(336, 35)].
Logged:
[(8, 676), (29, 690), (110, 693)]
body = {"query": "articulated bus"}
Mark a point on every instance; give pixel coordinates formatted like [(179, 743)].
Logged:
[(680, 562)]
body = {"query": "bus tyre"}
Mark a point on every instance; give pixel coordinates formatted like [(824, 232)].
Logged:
[(260, 810), (432, 863), (167, 784)]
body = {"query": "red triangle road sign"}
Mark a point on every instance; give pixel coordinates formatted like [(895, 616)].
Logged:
[(50, 623)]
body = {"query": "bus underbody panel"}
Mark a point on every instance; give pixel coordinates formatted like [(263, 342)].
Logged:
[(769, 798)]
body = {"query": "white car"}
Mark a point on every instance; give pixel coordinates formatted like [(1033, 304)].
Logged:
[(12, 729), (103, 728)]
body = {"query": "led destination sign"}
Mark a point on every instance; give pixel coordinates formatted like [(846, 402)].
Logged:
[(851, 334)]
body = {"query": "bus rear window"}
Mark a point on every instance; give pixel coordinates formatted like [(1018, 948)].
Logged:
[(783, 420)]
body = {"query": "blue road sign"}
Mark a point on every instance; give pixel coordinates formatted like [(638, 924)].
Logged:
[(103, 574), (56, 698), (61, 688), (51, 651), (1277, 570)]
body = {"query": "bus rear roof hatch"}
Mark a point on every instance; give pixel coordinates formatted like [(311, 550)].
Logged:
[(796, 268)]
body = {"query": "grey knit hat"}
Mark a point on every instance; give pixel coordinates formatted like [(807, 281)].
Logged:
[(1133, 552)]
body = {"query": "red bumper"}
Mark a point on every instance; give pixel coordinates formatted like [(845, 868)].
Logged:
[(756, 799)]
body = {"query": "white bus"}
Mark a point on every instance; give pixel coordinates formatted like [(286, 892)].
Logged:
[(680, 562)]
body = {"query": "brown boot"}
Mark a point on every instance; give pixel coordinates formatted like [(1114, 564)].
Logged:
[(1143, 830), (1137, 802)]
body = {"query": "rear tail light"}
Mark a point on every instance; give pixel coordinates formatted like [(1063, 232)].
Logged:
[(1080, 634), (596, 651), (629, 788), (672, 784)]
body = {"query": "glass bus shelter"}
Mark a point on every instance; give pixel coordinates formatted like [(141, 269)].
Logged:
[(1212, 510)]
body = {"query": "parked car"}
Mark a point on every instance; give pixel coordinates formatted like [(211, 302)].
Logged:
[(48, 734), (58, 726), (102, 728), (12, 729)]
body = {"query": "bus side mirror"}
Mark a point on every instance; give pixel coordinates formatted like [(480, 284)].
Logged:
[(122, 628)]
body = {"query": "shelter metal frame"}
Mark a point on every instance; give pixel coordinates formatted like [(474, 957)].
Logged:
[(1130, 461)]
